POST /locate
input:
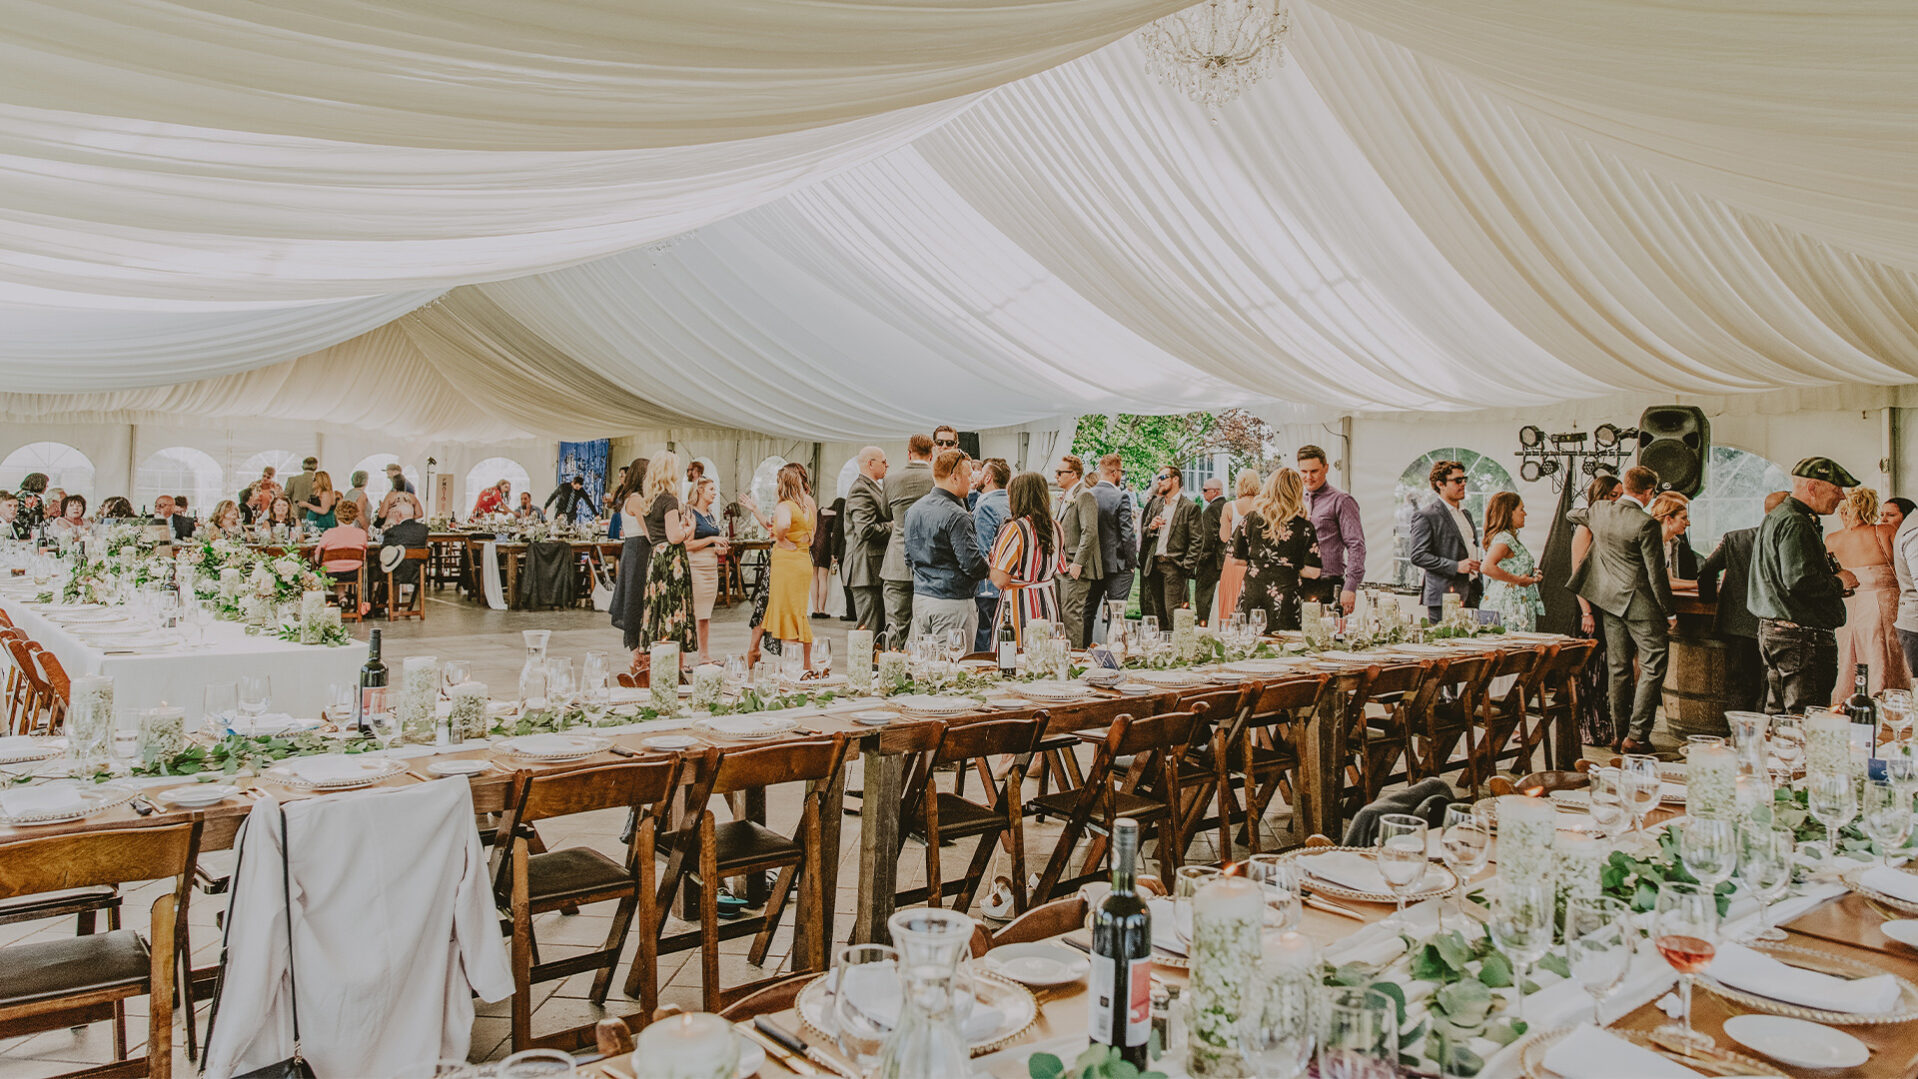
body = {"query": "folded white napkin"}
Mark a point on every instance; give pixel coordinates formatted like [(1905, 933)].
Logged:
[(1590, 1053), (329, 766), (34, 801), (1893, 882), (1372, 945), (1754, 972), (876, 987), (1359, 872), (1165, 933)]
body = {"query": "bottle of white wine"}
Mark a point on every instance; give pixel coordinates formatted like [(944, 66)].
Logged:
[(1121, 978), (1008, 651), (1863, 712)]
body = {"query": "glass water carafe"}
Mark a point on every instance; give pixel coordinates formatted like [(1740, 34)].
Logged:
[(532, 676), (929, 1043)]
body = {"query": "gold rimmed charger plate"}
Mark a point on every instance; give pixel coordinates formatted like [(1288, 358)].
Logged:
[(1531, 1054), (1015, 1000), (1825, 963), (1340, 891), (1850, 879)]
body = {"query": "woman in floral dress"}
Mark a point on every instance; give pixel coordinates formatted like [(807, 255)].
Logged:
[(1280, 550), (1511, 577), (669, 573)]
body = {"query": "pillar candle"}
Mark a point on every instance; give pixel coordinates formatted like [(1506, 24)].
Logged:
[(664, 678), (1226, 958), (859, 659)]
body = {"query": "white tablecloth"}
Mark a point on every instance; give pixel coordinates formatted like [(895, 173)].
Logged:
[(178, 676)]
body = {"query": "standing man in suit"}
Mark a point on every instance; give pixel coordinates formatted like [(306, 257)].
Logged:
[(1118, 546), (1211, 548), (1734, 623), (868, 528), (1625, 580), (989, 511), (1169, 547), (1081, 560), (903, 488), (1445, 542)]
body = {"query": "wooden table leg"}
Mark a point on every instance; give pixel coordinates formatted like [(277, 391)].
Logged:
[(879, 846), (1320, 768), (830, 830)]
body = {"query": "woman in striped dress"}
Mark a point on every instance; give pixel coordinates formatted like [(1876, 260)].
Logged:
[(1025, 557)]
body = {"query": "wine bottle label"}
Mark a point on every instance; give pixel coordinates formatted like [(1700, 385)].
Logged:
[(1105, 1013)]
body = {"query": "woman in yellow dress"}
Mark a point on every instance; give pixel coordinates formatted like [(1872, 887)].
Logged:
[(791, 527)]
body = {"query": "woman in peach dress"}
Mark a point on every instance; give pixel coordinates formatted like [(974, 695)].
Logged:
[(1232, 576), (1863, 546)]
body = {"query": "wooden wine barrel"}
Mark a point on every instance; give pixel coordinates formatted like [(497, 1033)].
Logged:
[(1694, 694)]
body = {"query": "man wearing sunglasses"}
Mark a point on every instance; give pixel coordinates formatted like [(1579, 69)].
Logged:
[(1169, 547), (1445, 542)]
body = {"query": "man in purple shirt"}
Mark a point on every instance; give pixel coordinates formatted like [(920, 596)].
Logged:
[(1335, 517)]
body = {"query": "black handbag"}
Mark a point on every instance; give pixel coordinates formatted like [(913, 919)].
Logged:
[(295, 1066)]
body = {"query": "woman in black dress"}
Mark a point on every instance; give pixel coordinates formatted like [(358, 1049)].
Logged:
[(1280, 549), (629, 590)]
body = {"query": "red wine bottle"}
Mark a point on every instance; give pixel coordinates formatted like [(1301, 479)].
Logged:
[(1121, 978)]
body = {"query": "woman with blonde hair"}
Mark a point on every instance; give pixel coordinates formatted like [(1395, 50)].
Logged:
[(1511, 577), (318, 507), (1673, 512), (669, 573), (703, 550), (1245, 487), (226, 519), (1863, 546), (791, 527), (1280, 550)]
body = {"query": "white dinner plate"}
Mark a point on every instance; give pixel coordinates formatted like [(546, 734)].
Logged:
[(1039, 965), (670, 741), (198, 795), (553, 747), (934, 705), (874, 717), (59, 802), (334, 771), (459, 766), (269, 725), (752, 1057), (1902, 930), (20, 748), (748, 726), (1797, 1042)]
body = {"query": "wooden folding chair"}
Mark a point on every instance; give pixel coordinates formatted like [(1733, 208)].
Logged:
[(47, 985), (348, 585), (936, 817), (54, 690), (415, 605), (1559, 698), (1511, 730), (744, 847), (1445, 718), (1374, 731), (529, 882), (1263, 754)]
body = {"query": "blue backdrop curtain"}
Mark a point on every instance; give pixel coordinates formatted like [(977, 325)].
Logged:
[(586, 459)]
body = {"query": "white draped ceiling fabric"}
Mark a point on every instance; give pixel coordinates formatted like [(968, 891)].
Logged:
[(840, 219)]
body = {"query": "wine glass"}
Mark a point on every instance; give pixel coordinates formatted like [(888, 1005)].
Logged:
[(1465, 843), (339, 703), (1277, 1036), (1149, 627), (256, 693), (125, 743), (561, 686), (1885, 815), (1708, 843), (1279, 883), (452, 673), (822, 656), (1895, 706), (381, 717), (1186, 882), (1685, 930), (1255, 622), (1524, 916), (865, 1001), (219, 702), (1785, 747), (1358, 1034), (1609, 800), (1641, 787), (1832, 798), (1598, 946), (1400, 850), (957, 645), (595, 680), (735, 672), (1764, 864)]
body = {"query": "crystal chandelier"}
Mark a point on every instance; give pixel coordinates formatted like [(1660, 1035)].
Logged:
[(1213, 51)]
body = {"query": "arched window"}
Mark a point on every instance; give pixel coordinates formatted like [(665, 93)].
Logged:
[(1736, 483), (180, 470), (64, 467), (1484, 477), (284, 463), (376, 482), (491, 471), (848, 472)]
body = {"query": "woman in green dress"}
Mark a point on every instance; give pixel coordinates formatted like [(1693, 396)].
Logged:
[(1511, 577)]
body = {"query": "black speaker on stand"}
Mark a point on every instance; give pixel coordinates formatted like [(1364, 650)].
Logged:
[(969, 442), (1675, 441)]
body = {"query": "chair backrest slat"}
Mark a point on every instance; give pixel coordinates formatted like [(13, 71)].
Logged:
[(88, 859), (540, 795)]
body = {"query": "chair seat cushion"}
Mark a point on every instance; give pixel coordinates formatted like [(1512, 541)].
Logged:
[(51, 969), (742, 842), (1061, 803), (961, 817), (573, 871)]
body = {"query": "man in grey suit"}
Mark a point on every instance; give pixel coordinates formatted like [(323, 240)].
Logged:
[(903, 488), (1081, 562), (1117, 545), (1624, 578), (1445, 542), (1169, 547), (868, 528)]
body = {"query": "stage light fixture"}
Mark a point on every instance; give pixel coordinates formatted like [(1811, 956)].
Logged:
[(1531, 435), (1605, 435), (1529, 471)]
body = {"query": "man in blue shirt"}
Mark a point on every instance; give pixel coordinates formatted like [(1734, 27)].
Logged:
[(988, 516), (942, 552)]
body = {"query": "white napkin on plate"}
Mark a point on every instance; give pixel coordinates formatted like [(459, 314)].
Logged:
[(1755, 972), (1359, 872), (329, 766), (36, 801), (1165, 932), (1893, 882), (1590, 1053)]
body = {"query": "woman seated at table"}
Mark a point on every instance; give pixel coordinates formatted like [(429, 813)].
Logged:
[(117, 508), (1673, 513), (343, 539), (72, 522), (280, 514), (226, 519), (1280, 549), (318, 509)]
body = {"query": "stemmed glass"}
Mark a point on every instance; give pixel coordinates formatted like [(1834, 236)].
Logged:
[(1708, 844), (1598, 946), (1358, 1034), (220, 700), (1401, 856), (1886, 815), (1685, 930), (560, 683), (1524, 916), (957, 645), (1610, 800), (865, 1001), (1895, 706), (1641, 787), (256, 693), (452, 673), (1186, 882), (1255, 622), (1832, 798), (382, 717), (822, 656), (1278, 1034), (595, 681), (1785, 748), (1764, 864), (1466, 845), (1279, 882), (735, 672)]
